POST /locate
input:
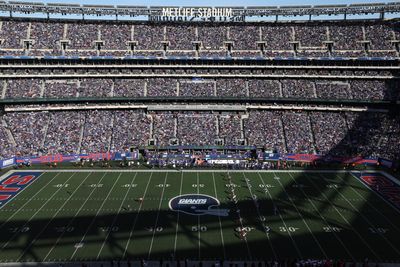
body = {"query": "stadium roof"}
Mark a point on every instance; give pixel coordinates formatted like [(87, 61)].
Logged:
[(14, 7)]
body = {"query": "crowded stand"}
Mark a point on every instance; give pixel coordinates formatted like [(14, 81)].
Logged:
[(334, 90), (298, 133), (24, 88), (359, 89), (28, 130), (231, 88), (90, 130), (265, 88), (97, 131), (347, 39), (115, 36), (148, 37), (244, 37), (82, 36), (197, 87), (46, 37), (326, 133), (164, 128), (95, 88), (230, 128), (329, 130), (311, 36), (264, 128), (379, 37), (212, 37), (369, 90), (277, 38), (196, 128), (60, 89), (12, 33), (125, 130), (129, 87), (161, 87), (364, 131), (298, 89), (180, 37), (7, 147), (64, 132)]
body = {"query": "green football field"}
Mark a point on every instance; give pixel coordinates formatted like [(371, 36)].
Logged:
[(98, 215)]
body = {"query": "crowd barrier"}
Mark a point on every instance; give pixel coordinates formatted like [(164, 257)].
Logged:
[(308, 158)]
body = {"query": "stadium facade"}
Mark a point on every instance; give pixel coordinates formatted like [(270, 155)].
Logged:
[(182, 79)]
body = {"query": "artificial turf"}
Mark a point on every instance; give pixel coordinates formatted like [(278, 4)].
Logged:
[(96, 215)]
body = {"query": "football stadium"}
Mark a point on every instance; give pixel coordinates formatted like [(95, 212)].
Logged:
[(191, 136)]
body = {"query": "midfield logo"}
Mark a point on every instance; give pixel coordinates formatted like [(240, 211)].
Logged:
[(197, 204)]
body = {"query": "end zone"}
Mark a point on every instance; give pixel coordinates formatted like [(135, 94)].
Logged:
[(383, 184), (15, 182)]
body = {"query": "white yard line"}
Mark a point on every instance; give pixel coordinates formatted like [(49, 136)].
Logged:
[(344, 218), (158, 215), (136, 217), (219, 220), (367, 220), (259, 216), (116, 217), (283, 221), (49, 221), (302, 218), (198, 218), (70, 222), (323, 218), (29, 220), (245, 239), (95, 216), (177, 220)]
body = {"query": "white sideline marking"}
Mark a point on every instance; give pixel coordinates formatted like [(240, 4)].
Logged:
[(259, 215), (283, 221), (49, 221), (344, 218), (70, 222), (116, 217), (198, 218), (177, 220), (368, 221), (158, 215), (136, 217), (245, 239), (26, 223), (302, 218), (323, 218), (95, 216), (219, 219)]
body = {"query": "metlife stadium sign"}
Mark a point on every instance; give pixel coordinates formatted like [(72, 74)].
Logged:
[(197, 14)]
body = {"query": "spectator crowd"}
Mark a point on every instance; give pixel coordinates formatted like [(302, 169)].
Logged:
[(85, 38), (372, 134), (305, 88)]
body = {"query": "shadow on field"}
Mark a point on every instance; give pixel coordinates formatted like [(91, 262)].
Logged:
[(352, 230)]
